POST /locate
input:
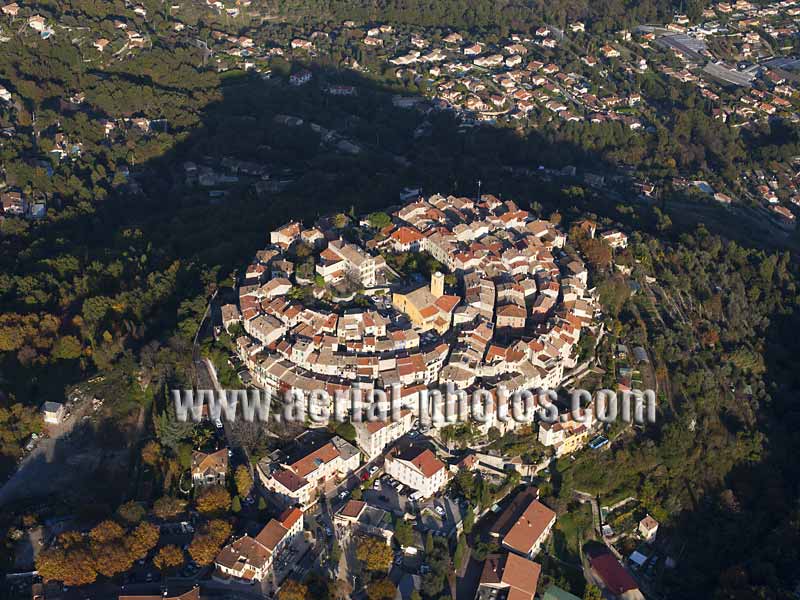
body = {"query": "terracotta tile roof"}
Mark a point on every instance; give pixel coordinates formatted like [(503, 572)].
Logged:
[(514, 510), (311, 462), (216, 461), (289, 480), (407, 235), (614, 576), (352, 509), (447, 303), (519, 574), (423, 459), (529, 527), (245, 551), (271, 535), (290, 516)]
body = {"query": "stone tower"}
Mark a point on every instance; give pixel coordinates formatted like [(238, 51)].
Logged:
[(437, 284)]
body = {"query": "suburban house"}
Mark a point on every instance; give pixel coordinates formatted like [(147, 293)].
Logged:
[(373, 437), (615, 238), (612, 577), (418, 468), (508, 576), (209, 469), (53, 412), (299, 479), (648, 527), (363, 518), (250, 559), (525, 524), (286, 235)]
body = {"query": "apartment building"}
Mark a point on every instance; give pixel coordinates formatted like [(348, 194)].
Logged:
[(418, 468), (356, 262), (250, 559), (373, 437), (298, 481), (567, 435)]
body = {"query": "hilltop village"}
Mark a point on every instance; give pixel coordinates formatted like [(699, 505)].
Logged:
[(510, 310)]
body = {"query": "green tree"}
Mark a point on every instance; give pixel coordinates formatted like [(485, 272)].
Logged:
[(592, 592), (403, 533), (469, 520)]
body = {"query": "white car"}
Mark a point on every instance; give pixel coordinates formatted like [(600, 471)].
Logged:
[(372, 471), (218, 423), (439, 510)]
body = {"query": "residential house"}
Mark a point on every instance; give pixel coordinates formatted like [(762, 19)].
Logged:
[(286, 235), (209, 469), (508, 576), (525, 524), (360, 517), (615, 238), (53, 412), (611, 576), (648, 528), (301, 77)]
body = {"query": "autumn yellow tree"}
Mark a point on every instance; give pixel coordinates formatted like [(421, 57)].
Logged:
[(112, 558), (167, 507), (151, 453), (381, 589), (244, 482), (214, 499), (374, 553), (73, 566), (293, 590), (106, 531), (207, 542), (142, 539), (168, 557), (131, 512)]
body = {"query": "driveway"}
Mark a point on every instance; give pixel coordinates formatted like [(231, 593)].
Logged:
[(45, 469)]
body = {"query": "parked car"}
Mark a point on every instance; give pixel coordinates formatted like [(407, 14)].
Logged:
[(373, 470), (218, 423)]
